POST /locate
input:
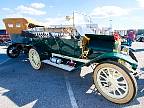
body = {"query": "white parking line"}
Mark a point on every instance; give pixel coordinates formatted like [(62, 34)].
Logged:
[(5, 61), (70, 92)]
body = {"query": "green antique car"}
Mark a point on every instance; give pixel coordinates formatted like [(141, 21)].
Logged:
[(72, 48)]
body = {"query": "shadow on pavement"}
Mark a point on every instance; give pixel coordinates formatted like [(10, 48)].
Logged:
[(47, 86), (3, 57), (26, 85), (88, 97)]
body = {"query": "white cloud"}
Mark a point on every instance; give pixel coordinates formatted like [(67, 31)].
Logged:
[(6, 9), (55, 21), (37, 5), (108, 11), (51, 6), (34, 9), (78, 19), (14, 15), (29, 10), (141, 3)]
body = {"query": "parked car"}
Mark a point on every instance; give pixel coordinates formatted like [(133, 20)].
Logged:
[(140, 38), (114, 73)]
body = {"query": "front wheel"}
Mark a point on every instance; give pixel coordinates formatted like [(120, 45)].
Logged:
[(34, 59), (115, 82)]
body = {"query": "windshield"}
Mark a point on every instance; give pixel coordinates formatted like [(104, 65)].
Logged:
[(82, 24)]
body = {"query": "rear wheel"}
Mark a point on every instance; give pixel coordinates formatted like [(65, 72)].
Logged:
[(34, 59), (115, 82), (13, 51)]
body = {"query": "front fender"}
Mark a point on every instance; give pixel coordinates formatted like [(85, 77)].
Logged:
[(115, 56)]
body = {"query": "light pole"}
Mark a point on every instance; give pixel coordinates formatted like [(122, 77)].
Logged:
[(110, 26), (73, 18)]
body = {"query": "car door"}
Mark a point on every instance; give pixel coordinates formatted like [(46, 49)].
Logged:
[(69, 47)]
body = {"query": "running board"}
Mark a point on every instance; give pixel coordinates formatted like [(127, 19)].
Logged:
[(71, 58), (62, 66)]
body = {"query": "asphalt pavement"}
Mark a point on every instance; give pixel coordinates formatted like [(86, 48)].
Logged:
[(3, 56), (23, 87)]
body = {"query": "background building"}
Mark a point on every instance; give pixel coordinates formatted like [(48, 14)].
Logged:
[(4, 36)]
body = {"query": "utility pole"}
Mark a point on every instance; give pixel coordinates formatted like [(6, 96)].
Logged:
[(90, 21), (73, 17)]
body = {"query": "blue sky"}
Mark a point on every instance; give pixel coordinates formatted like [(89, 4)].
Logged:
[(124, 14)]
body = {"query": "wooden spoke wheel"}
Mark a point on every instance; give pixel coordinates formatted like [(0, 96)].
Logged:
[(34, 59), (115, 82)]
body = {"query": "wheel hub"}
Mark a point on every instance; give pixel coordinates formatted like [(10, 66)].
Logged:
[(14, 51), (109, 84)]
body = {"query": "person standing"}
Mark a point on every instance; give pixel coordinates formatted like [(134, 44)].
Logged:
[(130, 38), (118, 41)]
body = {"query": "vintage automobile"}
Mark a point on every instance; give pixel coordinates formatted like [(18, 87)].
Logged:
[(71, 48)]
